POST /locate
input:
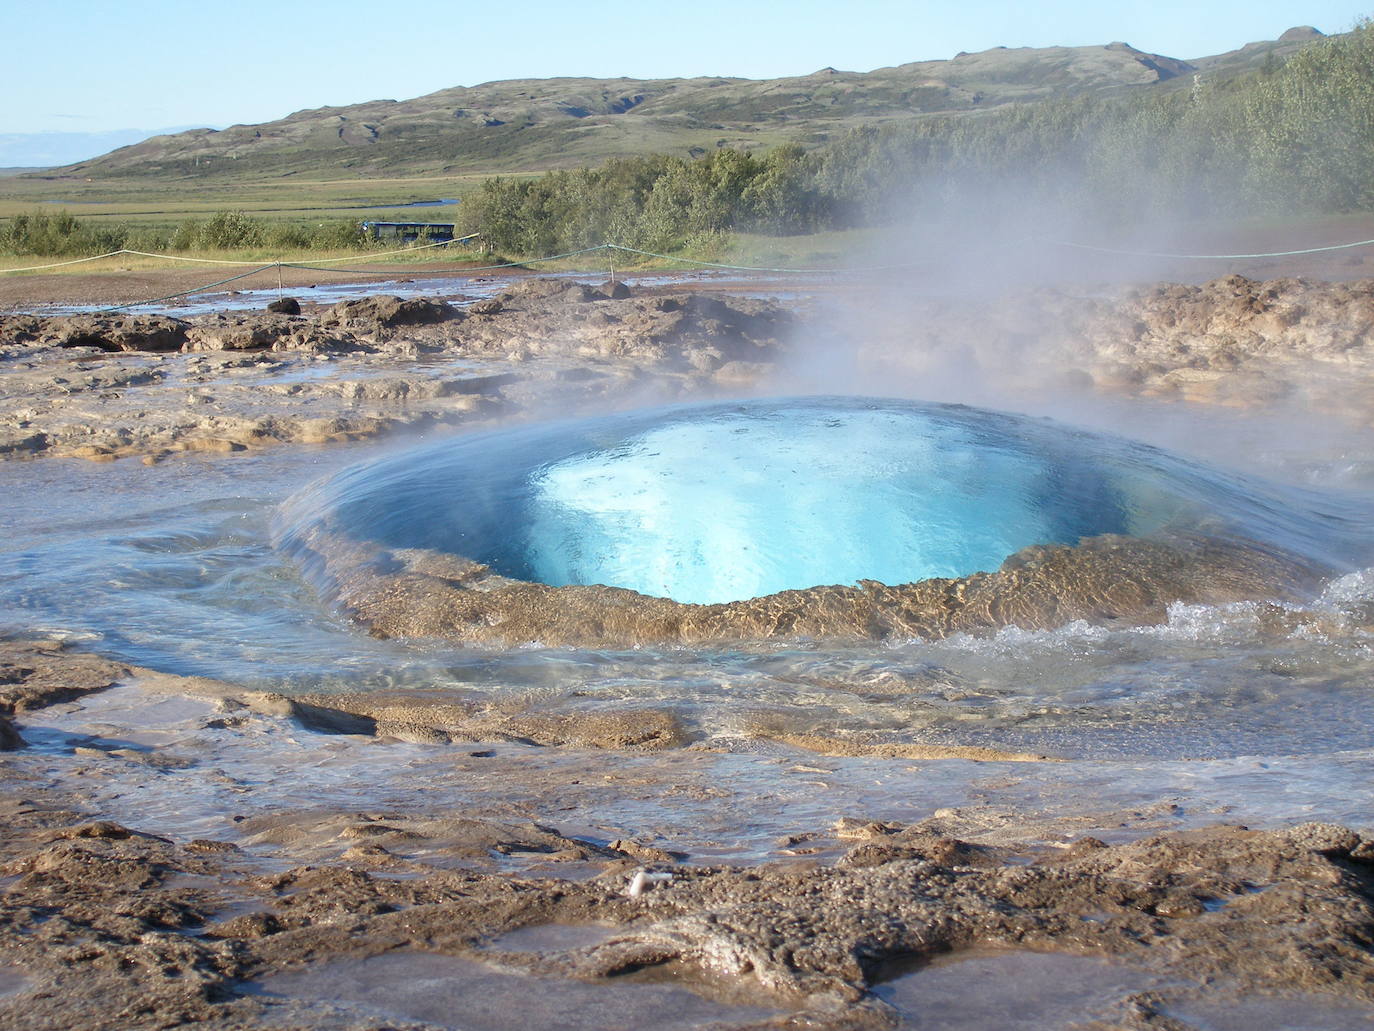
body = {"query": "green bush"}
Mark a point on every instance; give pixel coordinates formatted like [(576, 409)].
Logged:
[(60, 234), (1293, 136), (230, 230)]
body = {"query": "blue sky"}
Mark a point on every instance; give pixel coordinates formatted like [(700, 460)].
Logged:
[(79, 66)]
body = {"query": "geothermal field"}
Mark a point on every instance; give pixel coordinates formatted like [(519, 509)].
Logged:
[(689, 652)]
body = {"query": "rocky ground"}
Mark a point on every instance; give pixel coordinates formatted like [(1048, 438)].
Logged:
[(132, 924), (1232, 342), (107, 386), (110, 386), (107, 925)]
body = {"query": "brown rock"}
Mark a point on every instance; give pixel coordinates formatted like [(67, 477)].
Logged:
[(491, 306), (117, 332), (35, 674), (387, 310), (10, 741)]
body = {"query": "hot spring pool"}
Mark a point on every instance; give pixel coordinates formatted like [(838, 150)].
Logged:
[(714, 503), (232, 569)]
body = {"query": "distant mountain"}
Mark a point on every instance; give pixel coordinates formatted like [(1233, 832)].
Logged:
[(51, 149), (1253, 55), (537, 124)]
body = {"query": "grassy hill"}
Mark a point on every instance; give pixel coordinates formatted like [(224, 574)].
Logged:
[(532, 125)]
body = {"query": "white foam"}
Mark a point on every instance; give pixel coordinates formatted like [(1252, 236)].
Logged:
[(736, 507)]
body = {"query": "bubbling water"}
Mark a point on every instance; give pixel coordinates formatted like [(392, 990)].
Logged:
[(752, 501), (719, 502)]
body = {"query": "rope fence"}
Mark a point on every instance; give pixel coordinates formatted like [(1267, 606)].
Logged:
[(331, 264), (1212, 257)]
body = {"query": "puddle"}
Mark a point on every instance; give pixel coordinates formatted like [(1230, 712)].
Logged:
[(13, 980), (441, 989), (455, 287), (982, 989), (552, 938), (1012, 991), (1288, 1013)]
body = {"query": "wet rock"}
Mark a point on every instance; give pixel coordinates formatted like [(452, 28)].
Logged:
[(285, 306), (491, 306), (241, 333), (387, 310), (1108, 579), (645, 853), (1234, 341), (209, 845), (913, 844), (159, 941), (262, 386), (117, 332), (36, 674), (615, 290), (10, 741), (536, 288), (98, 829), (19, 329), (435, 718), (248, 927)]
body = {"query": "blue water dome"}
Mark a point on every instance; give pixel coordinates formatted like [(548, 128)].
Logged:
[(734, 503)]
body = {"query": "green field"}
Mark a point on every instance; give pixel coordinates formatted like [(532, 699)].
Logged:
[(164, 203)]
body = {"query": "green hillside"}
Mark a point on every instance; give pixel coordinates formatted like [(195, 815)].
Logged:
[(539, 124)]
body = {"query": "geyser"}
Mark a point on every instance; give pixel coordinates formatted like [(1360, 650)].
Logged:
[(729, 503), (713, 503)]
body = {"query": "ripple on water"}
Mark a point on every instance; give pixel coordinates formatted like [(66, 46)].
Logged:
[(552, 937), (408, 985), (1029, 991), (13, 980), (1012, 991)]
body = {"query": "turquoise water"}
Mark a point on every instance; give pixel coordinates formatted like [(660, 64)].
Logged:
[(720, 502), (729, 504)]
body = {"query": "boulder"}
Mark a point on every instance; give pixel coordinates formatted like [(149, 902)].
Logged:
[(20, 329), (285, 306), (117, 332), (388, 310), (240, 332)]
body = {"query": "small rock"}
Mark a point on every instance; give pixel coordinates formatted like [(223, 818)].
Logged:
[(285, 306), (645, 853), (10, 741), (1174, 907), (211, 846)]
